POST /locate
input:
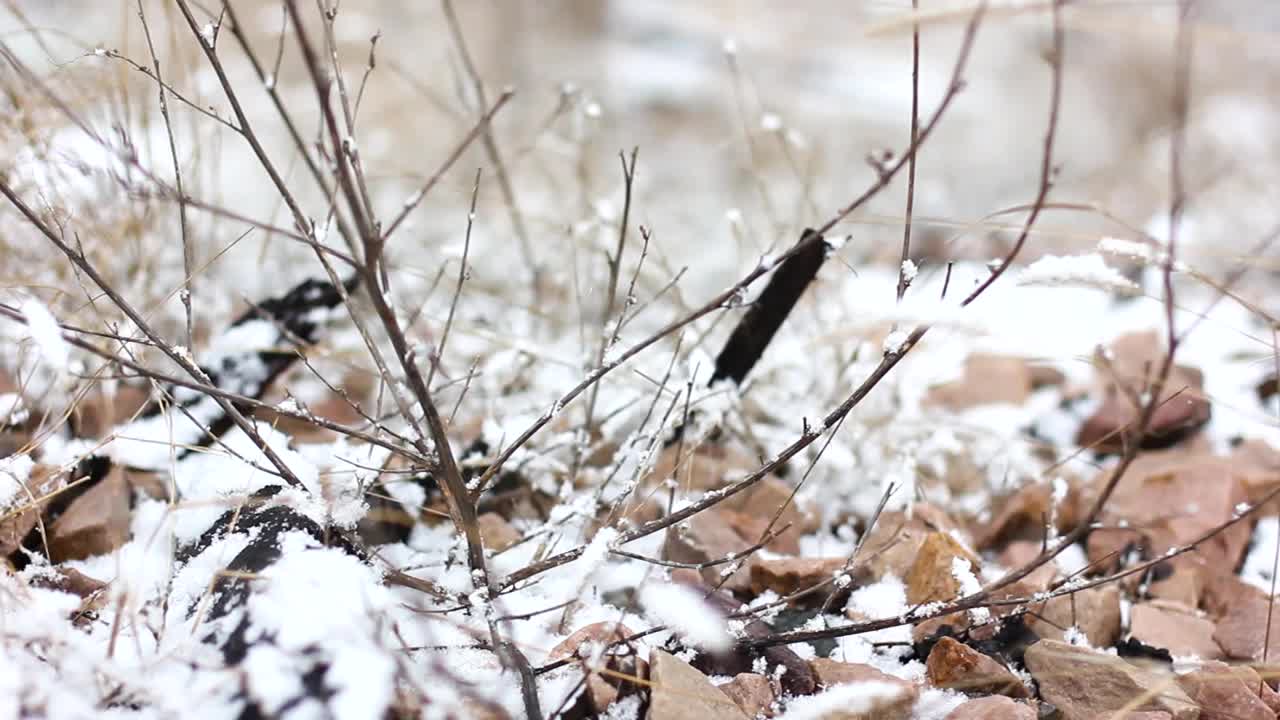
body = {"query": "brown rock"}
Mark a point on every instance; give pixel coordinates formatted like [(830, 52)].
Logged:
[(753, 693), (1242, 631), (1223, 590), (498, 534), (707, 468), (1106, 547), (94, 416), (930, 628), (90, 590), (152, 484), (833, 672), (1259, 466), (599, 692), (622, 671), (931, 577), (1223, 695), (1185, 586), (953, 665), (1134, 359), (780, 661), (992, 708), (24, 511), (754, 528), (599, 634), (707, 537), (95, 523), (1254, 682), (787, 575), (679, 692), (1087, 684), (70, 580), (987, 379), (1175, 628), (1173, 499), (1110, 428), (1043, 376), (1022, 515), (763, 500), (1096, 611), (891, 546), (1019, 554), (331, 406)]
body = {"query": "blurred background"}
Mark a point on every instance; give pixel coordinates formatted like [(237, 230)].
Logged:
[(753, 119)]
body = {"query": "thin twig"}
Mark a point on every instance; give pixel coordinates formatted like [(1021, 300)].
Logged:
[(491, 149), (726, 297), (179, 358), (414, 200), (614, 261), (911, 166), (187, 259), (462, 508), (438, 354)]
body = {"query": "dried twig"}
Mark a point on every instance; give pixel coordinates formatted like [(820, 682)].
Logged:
[(726, 297), (461, 506), (491, 149), (463, 272), (903, 281), (886, 364), (180, 359)]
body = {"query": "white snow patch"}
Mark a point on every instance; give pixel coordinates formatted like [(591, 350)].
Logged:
[(1087, 270), (1259, 564), (894, 342), (43, 328), (909, 271), (683, 609), (841, 700)]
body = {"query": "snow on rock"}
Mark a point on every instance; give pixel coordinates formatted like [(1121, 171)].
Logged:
[(869, 697), (347, 635)]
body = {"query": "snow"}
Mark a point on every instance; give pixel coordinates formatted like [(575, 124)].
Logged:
[(861, 697), (909, 271), (1127, 249), (12, 409), (683, 609), (347, 630), (894, 342), (1259, 567), (379, 641), (43, 328), (962, 571), (935, 704), (884, 599), (1072, 560), (14, 472), (1075, 636), (1087, 270)]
